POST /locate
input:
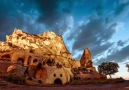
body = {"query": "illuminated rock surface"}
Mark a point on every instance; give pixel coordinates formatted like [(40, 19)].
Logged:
[(40, 59), (29, 51)]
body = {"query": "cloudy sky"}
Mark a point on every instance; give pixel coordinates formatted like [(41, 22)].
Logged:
[(100, 25)]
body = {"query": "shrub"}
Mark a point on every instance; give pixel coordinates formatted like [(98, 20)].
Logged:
[(97, 81), (15, 79)]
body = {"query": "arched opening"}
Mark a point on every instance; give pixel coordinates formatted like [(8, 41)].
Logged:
[(49, 62), (20, 60), (6, 56), (58, 81), (88, 78), (39, 66), (54, 75), (60, 75), (35, 60), (31, 51), (75, 78)]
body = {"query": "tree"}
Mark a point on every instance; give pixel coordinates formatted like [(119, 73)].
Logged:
[(108, 68), (127, 65)]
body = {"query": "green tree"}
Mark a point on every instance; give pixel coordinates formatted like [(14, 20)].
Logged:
[(108, 68), (127, 65)]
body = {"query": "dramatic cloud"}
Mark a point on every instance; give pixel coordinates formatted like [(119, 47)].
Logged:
[(82, 23), (122, 43), (54, 14), (118, 55), (95, 36), (34, 16)]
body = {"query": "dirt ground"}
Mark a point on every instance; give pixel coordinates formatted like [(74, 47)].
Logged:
[(120, 86)]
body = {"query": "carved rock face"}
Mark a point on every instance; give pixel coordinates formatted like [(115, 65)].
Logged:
[(47, 43), (41, 74), (27, 51), (17, 70), (86, 58)]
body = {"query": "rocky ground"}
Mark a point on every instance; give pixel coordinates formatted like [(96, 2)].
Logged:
[(120, 86)]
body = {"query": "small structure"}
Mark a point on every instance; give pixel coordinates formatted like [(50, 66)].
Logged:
[(58, 75), (87, 71)]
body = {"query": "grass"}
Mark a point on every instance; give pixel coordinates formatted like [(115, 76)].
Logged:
[(97, 81)]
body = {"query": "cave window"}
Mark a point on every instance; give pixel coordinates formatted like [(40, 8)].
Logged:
[(75, 78), (39, 66), (35, 60), (29, 78), (21, 60), (60, 75), (43, 63), (54, 75), (28, 62), (49, 62), (79, 78), (88, 78), (31, 51), (6, 56)]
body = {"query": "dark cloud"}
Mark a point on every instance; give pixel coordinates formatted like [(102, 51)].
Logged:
[(36, 16), (12, 16), (100, 48), (48, 10), (93, 34), (121, 7), (121, 43), (53, 14), (97, 50), (118, 56), (32, 15), (96, 33)]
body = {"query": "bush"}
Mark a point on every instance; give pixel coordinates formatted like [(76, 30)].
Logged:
[(97, 81), (15, 79)]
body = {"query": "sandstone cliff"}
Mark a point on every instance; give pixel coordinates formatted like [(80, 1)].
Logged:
[(47, 45), (40, 58), (31, 52)]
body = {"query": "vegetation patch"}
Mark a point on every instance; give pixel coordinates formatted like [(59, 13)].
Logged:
[(97, 81), (15, 79)]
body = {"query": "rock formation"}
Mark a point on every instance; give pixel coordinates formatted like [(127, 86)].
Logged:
[(86, 71), (29, 51), (47, 46), (86, 58), (47, 43), (40, 59)]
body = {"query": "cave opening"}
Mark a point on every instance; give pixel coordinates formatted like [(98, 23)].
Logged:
[(20, 60), (58, 81)]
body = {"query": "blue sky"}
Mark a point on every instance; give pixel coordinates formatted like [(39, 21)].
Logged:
[(100, 25)]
